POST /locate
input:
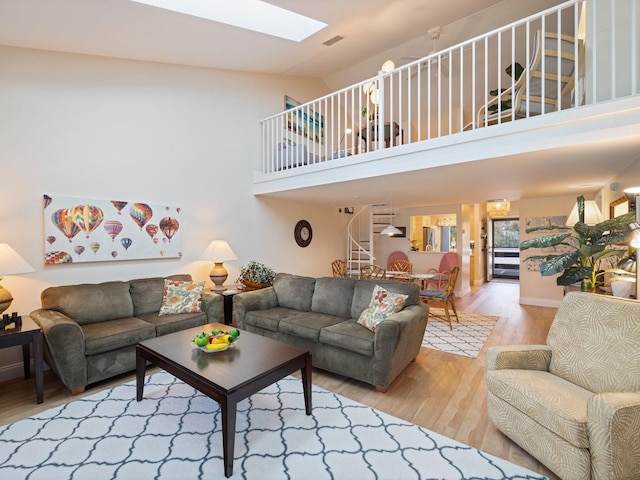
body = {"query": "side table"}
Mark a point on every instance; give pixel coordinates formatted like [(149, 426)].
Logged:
[(26, 335)]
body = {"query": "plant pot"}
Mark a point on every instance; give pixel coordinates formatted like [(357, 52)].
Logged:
[(249, 285)]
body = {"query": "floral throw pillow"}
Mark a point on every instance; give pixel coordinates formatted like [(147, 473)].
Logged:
[(181, 297), (383, 303)]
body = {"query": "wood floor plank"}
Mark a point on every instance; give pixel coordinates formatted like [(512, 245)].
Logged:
[(442, 392)]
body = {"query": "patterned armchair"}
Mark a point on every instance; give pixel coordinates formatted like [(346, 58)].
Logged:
[(574, 403)]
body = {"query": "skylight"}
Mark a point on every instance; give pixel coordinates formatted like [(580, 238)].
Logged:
[(253, 15)]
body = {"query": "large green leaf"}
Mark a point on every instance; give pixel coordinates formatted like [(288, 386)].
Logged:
[(558, 263), (544, 241), (546, 228), (573, 275)]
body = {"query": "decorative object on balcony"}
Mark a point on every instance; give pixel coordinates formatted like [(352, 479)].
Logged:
[(388, 66), (218, 252), (11, 263), (552, 54), (303, 233), (582, 250), (255, 275), (498, 207), (303, 120)]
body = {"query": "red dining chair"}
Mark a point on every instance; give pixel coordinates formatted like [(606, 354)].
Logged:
[(441, 277)]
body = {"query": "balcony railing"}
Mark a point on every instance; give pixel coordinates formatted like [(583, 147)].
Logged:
[(578, 53)]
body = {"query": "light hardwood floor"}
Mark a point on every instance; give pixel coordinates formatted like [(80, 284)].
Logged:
[(442, 392)]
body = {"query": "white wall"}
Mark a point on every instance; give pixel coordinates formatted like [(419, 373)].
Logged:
[(101, 128)]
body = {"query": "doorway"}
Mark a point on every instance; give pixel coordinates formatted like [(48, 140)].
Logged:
[(505, 248)]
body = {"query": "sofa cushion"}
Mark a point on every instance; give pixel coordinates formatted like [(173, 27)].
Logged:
[(173, 323), (113, 334), (270, 318), (333, 296), (556, 404), (349, 335), (181, 297), (383, 303), (294, 291), (308, 324), (364, 289), (146, 293), (90, 303)]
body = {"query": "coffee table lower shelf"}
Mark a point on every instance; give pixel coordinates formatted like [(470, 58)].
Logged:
[(227, 377)]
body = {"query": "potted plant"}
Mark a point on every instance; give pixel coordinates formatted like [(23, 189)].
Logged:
[(255, 275), (584, 248)]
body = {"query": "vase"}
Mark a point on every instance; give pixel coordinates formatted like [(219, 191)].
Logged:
[(249, 285), (585, 286)]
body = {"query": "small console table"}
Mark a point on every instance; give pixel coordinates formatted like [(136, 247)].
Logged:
[(25, 332)]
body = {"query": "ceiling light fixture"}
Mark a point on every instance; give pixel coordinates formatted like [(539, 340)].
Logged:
[(254, 15), (498, 207), (390, 229)]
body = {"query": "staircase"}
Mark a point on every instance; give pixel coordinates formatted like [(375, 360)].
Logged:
[(368, 220)]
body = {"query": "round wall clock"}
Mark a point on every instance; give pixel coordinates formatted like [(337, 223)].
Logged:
[(302, 233)]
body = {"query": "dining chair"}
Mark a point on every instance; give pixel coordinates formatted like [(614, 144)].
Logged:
[(395, 256), (542, 85), (339, 268), (373, 271), (402, 270), (441, 274), (443, 298)]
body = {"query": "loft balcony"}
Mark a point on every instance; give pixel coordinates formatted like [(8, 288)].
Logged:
[(566, 77)]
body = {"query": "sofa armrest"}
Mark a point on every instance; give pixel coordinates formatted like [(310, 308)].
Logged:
[(613, 423), (213, 306), (65, 345), (245, 302), (397, 342), (518, 357)]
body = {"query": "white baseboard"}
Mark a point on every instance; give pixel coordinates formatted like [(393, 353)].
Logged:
[(537, 302), (16, 370)]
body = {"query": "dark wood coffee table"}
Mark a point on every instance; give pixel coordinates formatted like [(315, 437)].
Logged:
[(227, 377)]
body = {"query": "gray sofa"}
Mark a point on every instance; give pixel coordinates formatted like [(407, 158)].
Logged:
[(321, 315), (91, 330)]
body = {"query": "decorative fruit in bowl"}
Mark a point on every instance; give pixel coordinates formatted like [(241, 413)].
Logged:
[(217, 340)]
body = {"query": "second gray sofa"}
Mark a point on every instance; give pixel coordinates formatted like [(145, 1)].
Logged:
[(321, 315)]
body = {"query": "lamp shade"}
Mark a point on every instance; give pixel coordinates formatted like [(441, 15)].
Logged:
[(634, 238), (218, 251), (498, 208), (391, 230), (11, 263), (592, 214)]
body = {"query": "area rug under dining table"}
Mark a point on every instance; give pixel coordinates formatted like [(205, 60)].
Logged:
[(174, 433)]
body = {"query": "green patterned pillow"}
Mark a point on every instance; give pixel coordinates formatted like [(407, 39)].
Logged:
[(383, 303), (181, 297)]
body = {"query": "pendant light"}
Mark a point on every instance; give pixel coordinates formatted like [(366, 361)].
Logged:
[(390, 229)]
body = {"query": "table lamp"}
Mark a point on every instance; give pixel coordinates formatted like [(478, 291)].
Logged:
[(218, 251), (10, 264)]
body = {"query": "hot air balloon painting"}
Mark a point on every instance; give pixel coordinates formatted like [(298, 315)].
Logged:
[(141, 213), (109, 230), (169, 227), (63, 219), (151, 229), (113, 228), (126, 243), (119, 205), (87, 217)]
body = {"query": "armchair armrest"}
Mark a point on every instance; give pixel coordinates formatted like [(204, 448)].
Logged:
[(613, 422), (518, 357), (253, 300), (213, 306), (64, 347)]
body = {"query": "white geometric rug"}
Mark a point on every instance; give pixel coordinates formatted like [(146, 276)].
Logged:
[(466, 338), (174, 433)]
